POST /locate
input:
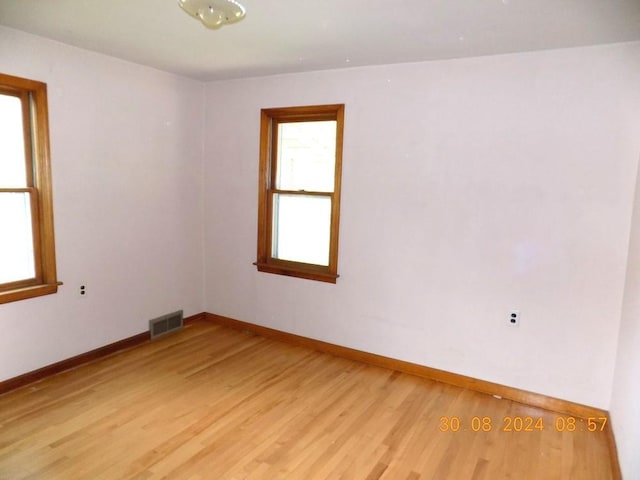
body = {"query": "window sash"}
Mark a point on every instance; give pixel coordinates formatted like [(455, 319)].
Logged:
[(277, 154), (272, 220), (35, 239), (24, 98)]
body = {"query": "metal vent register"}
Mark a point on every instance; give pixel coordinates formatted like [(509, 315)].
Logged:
[(165, 324)]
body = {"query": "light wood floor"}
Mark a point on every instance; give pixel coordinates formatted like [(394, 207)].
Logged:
[(214, 403)]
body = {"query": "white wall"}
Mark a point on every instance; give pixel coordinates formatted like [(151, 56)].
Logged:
[(126, 147), (470, 187), (625, 401)]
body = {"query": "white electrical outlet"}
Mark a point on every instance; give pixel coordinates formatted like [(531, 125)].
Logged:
[(82, 291), (514, 318)]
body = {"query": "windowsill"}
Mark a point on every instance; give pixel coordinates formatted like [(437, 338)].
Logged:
[(28, 292), (300, 272)]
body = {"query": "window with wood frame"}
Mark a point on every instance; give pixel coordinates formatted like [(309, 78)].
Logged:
[(27, 248), (299, 191)]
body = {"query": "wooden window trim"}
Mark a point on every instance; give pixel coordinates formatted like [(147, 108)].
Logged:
[(39, 185), (270, 118)]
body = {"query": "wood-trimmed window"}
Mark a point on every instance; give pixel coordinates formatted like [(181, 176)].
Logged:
[(299, 191), (27, 248)]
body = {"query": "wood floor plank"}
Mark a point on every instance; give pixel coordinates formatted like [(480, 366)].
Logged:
[(213, 402)]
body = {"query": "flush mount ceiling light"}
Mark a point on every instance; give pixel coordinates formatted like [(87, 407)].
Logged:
[(214, 13)]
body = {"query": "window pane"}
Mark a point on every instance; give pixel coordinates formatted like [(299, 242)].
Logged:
[(301, 228), (12, 159), (306, 156), (16, 240)]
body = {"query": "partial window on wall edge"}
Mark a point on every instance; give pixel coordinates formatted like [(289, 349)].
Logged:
[(27, 244)]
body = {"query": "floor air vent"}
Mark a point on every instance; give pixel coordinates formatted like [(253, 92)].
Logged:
[(165, 324)]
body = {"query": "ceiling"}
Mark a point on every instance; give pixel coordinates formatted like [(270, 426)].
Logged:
[(280, 36)]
